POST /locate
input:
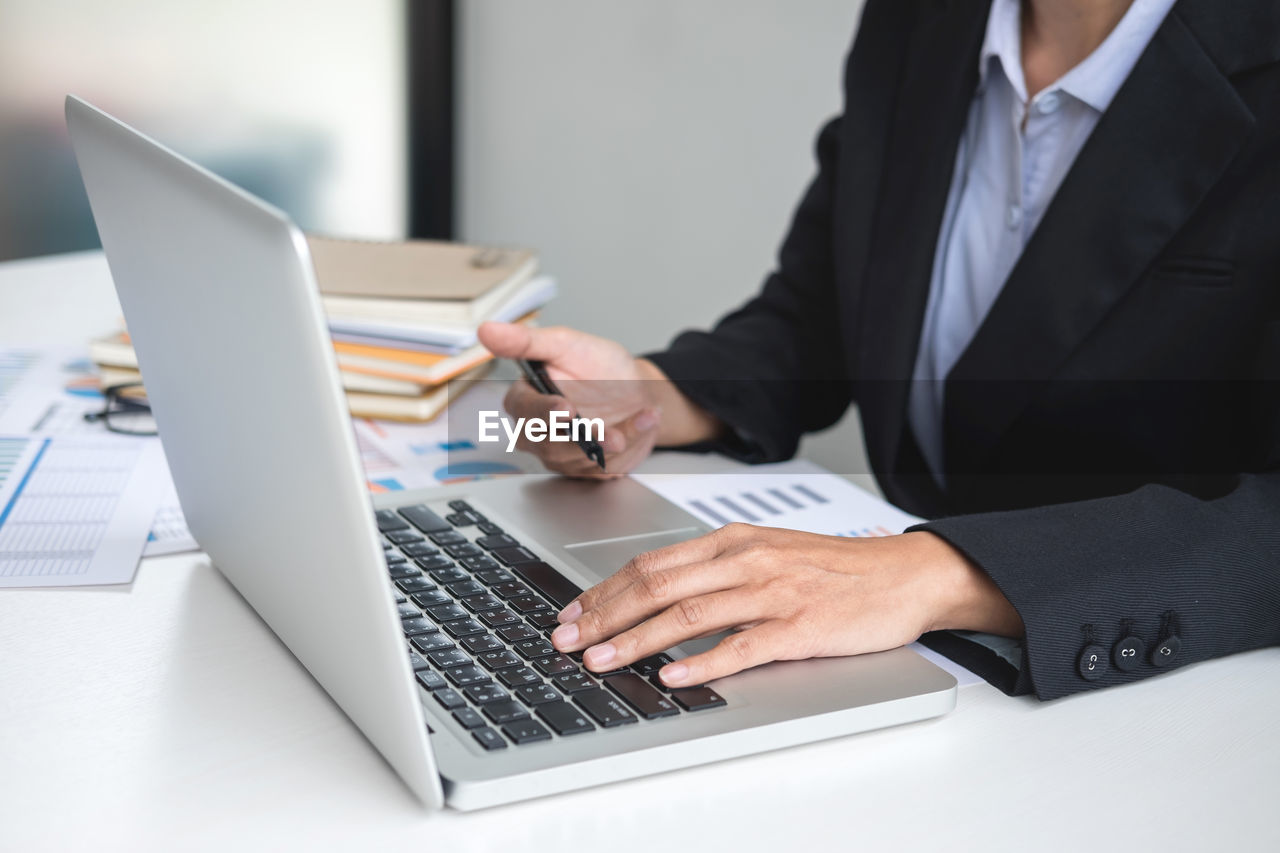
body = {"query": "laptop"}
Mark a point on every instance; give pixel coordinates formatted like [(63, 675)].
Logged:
[(424, 615)]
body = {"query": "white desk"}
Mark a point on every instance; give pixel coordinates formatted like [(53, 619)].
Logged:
[(168, 717)]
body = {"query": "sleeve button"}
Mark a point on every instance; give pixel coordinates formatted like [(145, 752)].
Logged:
[(1093, 662), (1165, 651), (1128, 653)]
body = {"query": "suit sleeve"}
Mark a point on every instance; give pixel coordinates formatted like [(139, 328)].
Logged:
[(1191, 577), (772, 369)]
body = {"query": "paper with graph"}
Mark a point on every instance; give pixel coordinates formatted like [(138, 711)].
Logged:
[(75, 510), (797, 495)]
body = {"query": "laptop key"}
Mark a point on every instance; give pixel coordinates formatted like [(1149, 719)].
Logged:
[(637, 693), (463, 627), (493, 543), (403, 571), (432, 642), (651, 664), (499, 618), (564, 718), (459, 519), (445, 658), (603, 708), (463, 589), (555, 664), (516, 633), (483, 694), (499, 660), (510, 589), (514, 556), (518, 676), (424, 519), (549, 582), (394, 558), (448, 537), (438, 562), (449, 575), (479, 603), (417, 661), (404, 537), (488, 528), (431, 680), (464, 675), (537, 694), (419, 549), (464, 549), (431, 598), (697, 698), (526, 731), (413, 627), (408, 611), (418, 584), (450, 698), (535, 648), (478, 643), (528, 604), (397, 597), (544, 619), (481, 563), (505, 712), (459, 505), (489, 739), (468, 718), (574, 682), (446, 612), (492, 577), (388, 521)]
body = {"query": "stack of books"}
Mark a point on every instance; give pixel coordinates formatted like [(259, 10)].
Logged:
[(403, 318)]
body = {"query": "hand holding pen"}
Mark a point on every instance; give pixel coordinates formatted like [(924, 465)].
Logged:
[(588, 376)]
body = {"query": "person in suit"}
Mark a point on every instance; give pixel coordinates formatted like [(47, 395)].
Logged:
[(1039, 254)]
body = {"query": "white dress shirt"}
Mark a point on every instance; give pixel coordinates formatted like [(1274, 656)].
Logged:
[(1012, 158)]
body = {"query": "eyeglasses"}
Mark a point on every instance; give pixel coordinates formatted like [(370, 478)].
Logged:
[(126, 411)]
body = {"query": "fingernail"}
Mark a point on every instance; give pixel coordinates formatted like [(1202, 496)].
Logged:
[(570, 613), (674, 673), (646, 420), (565, 635), (598, 656)]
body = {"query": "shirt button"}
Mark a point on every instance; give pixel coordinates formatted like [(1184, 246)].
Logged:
[(1013, 217), (1049, 103)]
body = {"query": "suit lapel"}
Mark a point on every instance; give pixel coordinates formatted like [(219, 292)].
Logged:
[(932, 108), (1170, 134)]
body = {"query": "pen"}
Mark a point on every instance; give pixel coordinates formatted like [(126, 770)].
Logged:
[(536, 374)]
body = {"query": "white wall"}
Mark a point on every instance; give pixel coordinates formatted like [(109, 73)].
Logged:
[(652, 150)]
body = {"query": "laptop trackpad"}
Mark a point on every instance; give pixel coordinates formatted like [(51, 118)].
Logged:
[(605, 557)]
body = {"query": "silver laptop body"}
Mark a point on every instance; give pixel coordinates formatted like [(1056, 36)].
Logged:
[(222, 306)]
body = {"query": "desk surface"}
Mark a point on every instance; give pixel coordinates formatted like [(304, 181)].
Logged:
[(167, 715)]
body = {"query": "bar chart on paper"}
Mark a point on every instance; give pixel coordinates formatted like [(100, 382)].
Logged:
[(74, 510), (796, 495)]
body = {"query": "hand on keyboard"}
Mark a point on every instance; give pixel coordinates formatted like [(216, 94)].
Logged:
[(791, 595)]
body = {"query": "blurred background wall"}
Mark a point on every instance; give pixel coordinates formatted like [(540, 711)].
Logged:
[(299, 101), (652, 150)]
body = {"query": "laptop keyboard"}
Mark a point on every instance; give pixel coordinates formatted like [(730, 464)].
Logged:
[(477, 608)]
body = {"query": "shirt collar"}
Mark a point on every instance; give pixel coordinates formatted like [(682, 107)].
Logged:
[(1094, 81)]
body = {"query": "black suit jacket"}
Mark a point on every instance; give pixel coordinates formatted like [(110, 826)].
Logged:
[(1112, 433)]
